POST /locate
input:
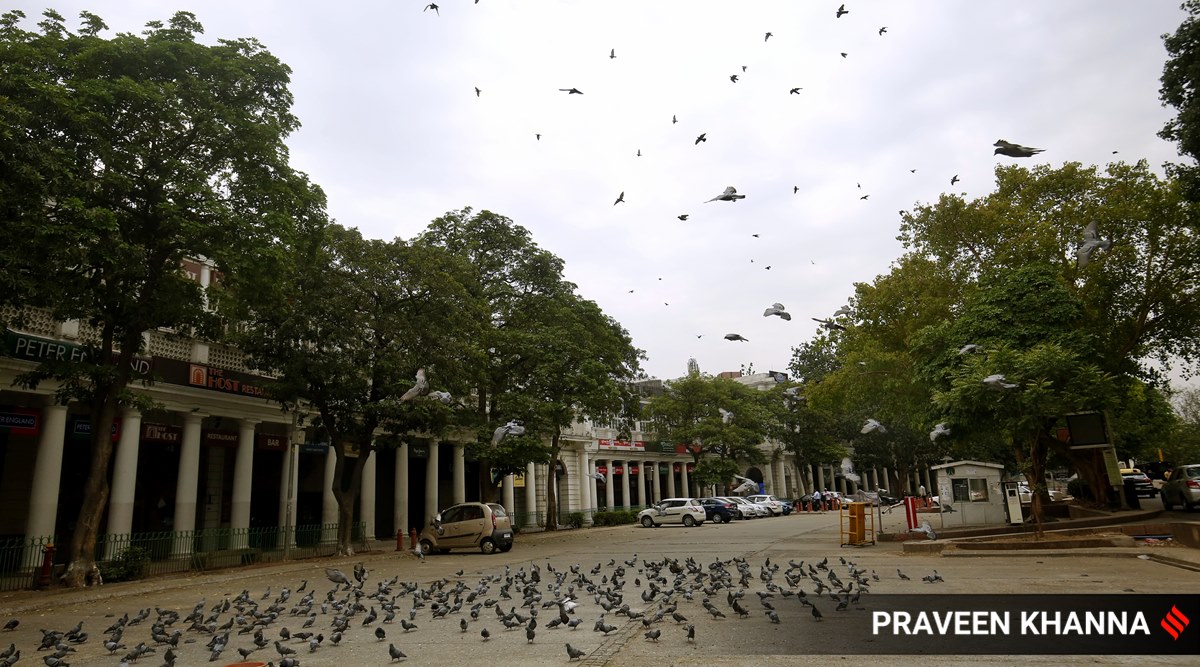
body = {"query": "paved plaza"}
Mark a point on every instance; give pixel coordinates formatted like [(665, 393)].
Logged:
[(753, 640)]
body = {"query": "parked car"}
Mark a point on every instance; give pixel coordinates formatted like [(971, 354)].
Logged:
[(1025, 494), (485, 526), (687, 511), (1183, 488), (1141, 482), (771, 502), (789, 505), (746, 509), (717, 510)]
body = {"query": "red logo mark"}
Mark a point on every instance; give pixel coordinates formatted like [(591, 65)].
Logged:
[(1174, 622)]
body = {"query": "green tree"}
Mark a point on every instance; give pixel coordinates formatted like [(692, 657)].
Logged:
[(1183, 445), (689, 412), (1180, 81), (356, 320), (551, 356), (123, 157)]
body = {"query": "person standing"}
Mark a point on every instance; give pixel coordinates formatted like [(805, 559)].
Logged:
[(921, 493), (816, 501)]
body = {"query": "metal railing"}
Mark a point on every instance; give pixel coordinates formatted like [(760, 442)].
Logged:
[(21, 558)]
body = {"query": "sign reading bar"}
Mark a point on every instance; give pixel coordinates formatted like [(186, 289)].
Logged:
[(271, 442)]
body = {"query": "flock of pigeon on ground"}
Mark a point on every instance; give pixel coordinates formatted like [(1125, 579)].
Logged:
[(580, 606)]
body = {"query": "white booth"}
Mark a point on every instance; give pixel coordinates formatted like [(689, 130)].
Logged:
[(970, 493)]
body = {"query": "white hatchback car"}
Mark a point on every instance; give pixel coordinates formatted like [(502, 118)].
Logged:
[(687, 511), (748, 509), (771, 502)]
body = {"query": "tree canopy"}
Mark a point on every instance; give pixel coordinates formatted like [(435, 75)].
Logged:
[(123, 156)]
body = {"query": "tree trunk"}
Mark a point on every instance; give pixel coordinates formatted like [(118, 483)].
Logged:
[(552, 486), (81, 565), (347, 498)]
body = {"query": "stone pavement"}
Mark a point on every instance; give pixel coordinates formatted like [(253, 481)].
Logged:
[(751, 641)]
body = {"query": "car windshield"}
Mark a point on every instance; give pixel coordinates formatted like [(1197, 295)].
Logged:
[(498, 510)]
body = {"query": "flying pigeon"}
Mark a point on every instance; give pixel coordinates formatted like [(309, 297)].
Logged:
[(733, 78), (997, 382), (726, 416), (844, 310), (598, 477), (941, 429), (419, 389), (1014, 150), (1091, 241), (829, 324), (795, 91), (730, 194), (620, 199), (701, 138), (769, 36), (442, 396), (746, 486), (848, 470), (477, 91), (733, 336), (844, 54), (513, 427), (337, 576), (969, 348), (674, 119), (842, 10), (777, 309), (612, 53), (929, 532), (871, 426), (683, 217), (571, 91), (954, 180), (883, 30), (433, 7)]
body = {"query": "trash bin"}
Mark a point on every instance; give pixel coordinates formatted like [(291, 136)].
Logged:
[(1131, 496)]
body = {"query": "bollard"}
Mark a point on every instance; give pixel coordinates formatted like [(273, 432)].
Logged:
[(412, 536), (47, 569), (399, 539)]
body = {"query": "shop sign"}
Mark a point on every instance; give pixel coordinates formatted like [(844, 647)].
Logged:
[(220, 438), (633, 470), (603, 470), (314, 447), (271, 442), (161, 433), (82, 428), (20, 421), (36, 348), (623, 445)]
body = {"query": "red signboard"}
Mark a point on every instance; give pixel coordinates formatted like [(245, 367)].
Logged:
[(602, 469), (161, 433), (691, 467), (618, 470), (633, 470), (675, 467)]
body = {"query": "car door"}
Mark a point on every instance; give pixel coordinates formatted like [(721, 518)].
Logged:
[(448, 527), (672, 511)]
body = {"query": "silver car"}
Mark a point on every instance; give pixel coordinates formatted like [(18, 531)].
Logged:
[(1183, 488)]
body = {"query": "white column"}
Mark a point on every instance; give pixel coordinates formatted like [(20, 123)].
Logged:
[(289, 473), (657, 481), (671, 479), (243, 476), (780, 478), (683, 480), (431, 485), (366, 495), (530, 496), (47, 473), (887, 482), (821, 478), (625, 500), (586, 484), (47, 476), (124, 481), (329, 512), (460, 473), (507, 497), (400, 497), (187, 484), (609, 492), (769, 478)]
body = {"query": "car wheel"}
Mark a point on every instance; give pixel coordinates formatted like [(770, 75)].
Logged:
[(689, 521), (487, 545), (506, 548), (647, 522), (426, 547), (1167, 505)]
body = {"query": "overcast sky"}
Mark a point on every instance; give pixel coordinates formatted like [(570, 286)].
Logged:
[(395, 134)]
